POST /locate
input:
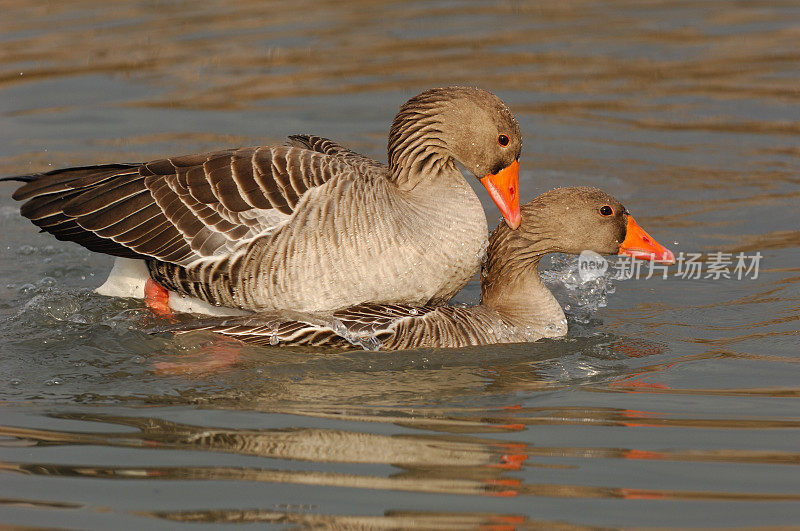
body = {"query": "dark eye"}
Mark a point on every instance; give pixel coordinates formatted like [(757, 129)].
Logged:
[(606, 210), (503, 140)]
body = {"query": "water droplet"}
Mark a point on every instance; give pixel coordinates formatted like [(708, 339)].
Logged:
[(26, 288), (54, 381), (413, 311), (371, 343), (26, 249), (15, 381)]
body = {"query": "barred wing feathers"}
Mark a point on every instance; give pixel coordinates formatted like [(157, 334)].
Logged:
[(361, 163), (369, 326), (180, 209)]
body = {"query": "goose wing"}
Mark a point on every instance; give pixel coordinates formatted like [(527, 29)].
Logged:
[(365, 326), (329, 147), (180, 209)]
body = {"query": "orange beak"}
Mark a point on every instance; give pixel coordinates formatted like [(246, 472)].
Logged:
[(639, 244), (503, 187)]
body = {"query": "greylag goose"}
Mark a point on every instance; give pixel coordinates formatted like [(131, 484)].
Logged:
[(307, 226), (515, 305)]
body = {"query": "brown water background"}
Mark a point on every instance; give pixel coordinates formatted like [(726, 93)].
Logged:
[(676, 405)]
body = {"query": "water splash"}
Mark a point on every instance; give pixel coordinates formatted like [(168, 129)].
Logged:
[(580, 297), (366, 340), (482, 252), (273, 338)]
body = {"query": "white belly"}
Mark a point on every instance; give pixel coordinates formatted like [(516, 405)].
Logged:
[(128, 277)]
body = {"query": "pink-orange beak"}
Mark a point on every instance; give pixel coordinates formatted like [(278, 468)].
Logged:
[(639, 244), (503, 187)]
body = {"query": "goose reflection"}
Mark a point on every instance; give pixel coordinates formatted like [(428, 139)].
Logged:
[(434, 462)]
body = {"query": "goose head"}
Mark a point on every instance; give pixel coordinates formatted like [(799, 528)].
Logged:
[(577, 219), (469, 125), (567, 220)]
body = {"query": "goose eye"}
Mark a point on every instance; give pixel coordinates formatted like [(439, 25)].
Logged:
[(606, 210), (503, 140)]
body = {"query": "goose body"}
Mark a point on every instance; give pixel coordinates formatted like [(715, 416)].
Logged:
[(515, 305), (309, 226)]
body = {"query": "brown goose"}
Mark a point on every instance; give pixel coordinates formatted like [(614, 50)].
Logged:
[(515, 305), (309, 226)]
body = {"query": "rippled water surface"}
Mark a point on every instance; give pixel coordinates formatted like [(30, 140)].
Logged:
[(672, 403)]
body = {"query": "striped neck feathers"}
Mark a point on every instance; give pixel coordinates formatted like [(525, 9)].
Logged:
[(417, 148)]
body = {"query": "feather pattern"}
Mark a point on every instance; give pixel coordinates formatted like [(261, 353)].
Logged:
[(367, 326), (177, 210), (396, 250)]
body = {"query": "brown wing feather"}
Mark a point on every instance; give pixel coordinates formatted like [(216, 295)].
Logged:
[(323, 145), (369, 326), (366, 325), (178, 209), (375, 318)]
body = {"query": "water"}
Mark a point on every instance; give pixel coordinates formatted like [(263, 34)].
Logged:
[(671, 403)]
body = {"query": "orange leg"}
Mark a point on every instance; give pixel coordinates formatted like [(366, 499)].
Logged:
[(157, 299)]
